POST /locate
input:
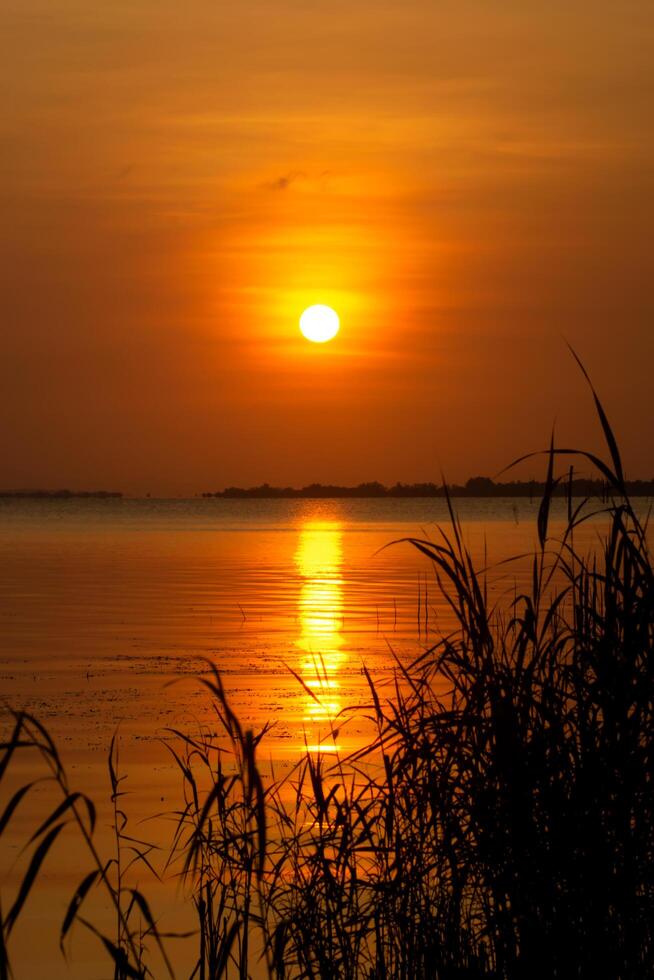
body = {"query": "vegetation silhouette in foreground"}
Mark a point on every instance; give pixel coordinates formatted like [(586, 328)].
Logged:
[(499, 825)]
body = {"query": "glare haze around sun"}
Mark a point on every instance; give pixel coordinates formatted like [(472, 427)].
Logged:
[(319, 323)]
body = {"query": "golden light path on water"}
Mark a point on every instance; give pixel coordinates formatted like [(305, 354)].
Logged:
[(319, 562)]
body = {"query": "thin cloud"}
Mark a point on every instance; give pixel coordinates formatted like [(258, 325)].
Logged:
[(283, 182)]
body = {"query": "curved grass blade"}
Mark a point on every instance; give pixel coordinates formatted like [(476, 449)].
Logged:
[(606, 427), (67, 804), (81, 892), (30, 876), (13, 803), (119, 956), (140, 900)]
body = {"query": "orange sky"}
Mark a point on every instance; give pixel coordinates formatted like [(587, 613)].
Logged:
[(467, 183)]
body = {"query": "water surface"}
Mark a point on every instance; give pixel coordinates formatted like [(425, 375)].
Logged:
[(109, 608)]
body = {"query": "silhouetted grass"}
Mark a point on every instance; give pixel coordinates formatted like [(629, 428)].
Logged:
[(127, 947), (499, 825), (220, 836)]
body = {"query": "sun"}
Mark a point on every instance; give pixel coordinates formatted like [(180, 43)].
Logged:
[(319, 323)]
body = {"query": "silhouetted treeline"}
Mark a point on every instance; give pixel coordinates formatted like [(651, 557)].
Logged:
[(58, 494), (477, 486)]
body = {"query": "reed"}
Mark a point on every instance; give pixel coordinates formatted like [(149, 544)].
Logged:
[(499, 825), (509, 831), (127, 948), (219, 843)]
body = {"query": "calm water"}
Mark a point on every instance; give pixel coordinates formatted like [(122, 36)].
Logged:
[(107, 609), (102, 602)]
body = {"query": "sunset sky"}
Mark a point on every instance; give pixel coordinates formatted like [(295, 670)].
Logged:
[(467, 183)]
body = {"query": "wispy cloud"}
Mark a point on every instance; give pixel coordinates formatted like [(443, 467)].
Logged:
[(284, 181)]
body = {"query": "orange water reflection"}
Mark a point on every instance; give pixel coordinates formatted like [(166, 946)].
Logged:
[(319, 562)]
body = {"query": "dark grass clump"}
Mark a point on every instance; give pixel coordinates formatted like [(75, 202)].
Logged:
[(127, 948), (509, 829), (219, 843), (501, 825)]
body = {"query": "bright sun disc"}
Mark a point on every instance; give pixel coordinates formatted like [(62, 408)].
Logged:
[(319, 323)]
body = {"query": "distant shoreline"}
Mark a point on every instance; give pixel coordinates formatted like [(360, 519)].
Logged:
[(57, 494), (475, 487)]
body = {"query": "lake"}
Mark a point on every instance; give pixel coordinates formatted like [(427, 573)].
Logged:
[(109, 608)]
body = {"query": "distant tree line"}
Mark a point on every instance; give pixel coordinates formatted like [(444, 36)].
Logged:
[(476, 486)]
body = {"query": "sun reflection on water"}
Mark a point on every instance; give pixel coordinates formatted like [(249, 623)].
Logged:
[(319, 561)]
